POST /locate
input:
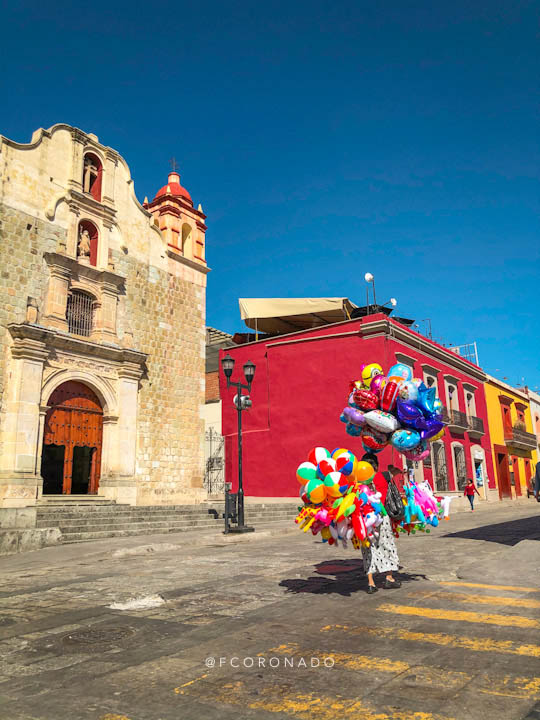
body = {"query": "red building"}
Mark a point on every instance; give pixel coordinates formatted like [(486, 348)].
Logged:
[(300, 389)]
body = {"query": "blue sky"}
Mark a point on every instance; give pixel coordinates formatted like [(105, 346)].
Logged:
[(324, 140)]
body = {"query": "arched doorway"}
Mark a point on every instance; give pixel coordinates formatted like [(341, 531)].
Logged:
[(72, 440)]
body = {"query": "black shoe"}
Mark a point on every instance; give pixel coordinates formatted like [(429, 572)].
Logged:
[(389, 585), (371, 589)]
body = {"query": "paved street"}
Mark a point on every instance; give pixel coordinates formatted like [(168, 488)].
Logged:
[(277, 627)]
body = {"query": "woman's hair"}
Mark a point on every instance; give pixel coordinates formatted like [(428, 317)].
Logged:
[(371, 459)]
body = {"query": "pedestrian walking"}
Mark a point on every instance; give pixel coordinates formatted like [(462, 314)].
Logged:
[(381, 556), (470, 489), (537, 482)]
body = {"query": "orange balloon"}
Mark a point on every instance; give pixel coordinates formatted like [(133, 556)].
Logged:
[(318, 494), (363, 472)]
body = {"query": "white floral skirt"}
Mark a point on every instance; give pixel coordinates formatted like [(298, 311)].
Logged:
[(381, 555)]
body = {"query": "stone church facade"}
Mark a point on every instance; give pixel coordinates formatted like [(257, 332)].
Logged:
[(102, 328)]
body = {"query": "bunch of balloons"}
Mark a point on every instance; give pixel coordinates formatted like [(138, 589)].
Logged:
[(394, 409), (338, 501)]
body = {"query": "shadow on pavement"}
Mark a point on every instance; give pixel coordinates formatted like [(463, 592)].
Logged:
[(349, 579), (506, 533)]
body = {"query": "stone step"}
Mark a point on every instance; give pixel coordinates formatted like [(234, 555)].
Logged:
[(98, 523), (134, 511), (78, 537), (150, 526)]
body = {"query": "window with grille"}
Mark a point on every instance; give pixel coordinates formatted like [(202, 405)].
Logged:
[(80, 313)]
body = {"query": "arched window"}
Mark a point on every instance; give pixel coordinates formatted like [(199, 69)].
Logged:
[(186, 239), (80, 313), (461, 467), (92, 175), (87, 242)]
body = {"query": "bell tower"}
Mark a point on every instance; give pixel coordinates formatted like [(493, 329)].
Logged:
[(182, 225)]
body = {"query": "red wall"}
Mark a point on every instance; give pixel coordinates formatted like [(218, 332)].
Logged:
[(300, 389)]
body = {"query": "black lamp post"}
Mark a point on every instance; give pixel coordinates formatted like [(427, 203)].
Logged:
[(241, 402)]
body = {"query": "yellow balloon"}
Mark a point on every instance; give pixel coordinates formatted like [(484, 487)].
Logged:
[(363, 471), (369, 372), (438, 436), (333, 491)]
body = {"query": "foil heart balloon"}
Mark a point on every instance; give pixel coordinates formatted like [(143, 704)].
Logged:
[(389, 395), (365, 399), (373, 439)]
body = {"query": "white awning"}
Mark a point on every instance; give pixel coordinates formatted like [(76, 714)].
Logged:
[(286, 315)]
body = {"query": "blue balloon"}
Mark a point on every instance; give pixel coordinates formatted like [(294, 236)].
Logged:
[(434, 426), (426, 399), (410, 415), (401, 371), (371, 451), (405, 439)]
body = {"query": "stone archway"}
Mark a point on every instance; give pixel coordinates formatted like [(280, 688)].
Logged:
[(72, 441)]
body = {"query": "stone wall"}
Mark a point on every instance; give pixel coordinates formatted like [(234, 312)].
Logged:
[(23, 273), (166, 315)]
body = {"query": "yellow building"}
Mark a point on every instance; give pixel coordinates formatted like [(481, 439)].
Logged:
[(513, 442)]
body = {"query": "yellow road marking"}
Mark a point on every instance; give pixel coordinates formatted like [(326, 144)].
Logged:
[(480, 599), (508, 685), (461, 615), (510, 588), (113, 716), (179, 690), (306, 706), (348, 660), (457, 641)]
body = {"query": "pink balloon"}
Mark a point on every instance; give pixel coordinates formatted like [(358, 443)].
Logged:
[(377, 384)]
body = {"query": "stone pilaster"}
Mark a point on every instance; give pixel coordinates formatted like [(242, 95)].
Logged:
[(20, 478)]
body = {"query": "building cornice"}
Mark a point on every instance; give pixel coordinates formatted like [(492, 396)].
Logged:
[(70, 265), (32, 339), (505, 387), (175, 255)]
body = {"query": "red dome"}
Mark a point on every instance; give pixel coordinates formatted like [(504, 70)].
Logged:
[(173, 187)]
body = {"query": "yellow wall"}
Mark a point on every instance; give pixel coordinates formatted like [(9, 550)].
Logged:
[(493, 391)]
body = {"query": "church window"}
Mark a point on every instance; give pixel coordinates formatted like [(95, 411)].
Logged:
[(80, 313), (92, 176), (186, 239)]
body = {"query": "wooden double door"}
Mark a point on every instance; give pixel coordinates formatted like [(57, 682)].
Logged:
[(72, 441)]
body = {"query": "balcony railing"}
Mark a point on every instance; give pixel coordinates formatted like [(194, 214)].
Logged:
[(456, 420), (518, 437), (476, 425), (459, 421)]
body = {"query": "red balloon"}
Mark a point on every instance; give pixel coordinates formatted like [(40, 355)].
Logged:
[(374, 440), (389, 395), (366, 399)]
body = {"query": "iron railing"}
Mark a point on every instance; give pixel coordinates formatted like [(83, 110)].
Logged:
[(476, 425), (519, 437), (214, 474)]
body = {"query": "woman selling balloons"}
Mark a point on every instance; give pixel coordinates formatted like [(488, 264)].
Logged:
[(344, 498)]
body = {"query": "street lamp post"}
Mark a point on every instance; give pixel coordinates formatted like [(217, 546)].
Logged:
[(241, 402)]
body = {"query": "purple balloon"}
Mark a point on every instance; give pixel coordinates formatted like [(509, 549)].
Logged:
[(354, 416), (377, 384), (410, 415), (433, 426)]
